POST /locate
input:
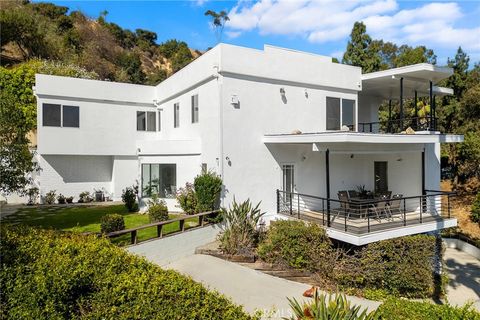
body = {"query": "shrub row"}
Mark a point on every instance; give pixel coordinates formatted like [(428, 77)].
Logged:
[(402, 266), (401, 309), (52, 275)]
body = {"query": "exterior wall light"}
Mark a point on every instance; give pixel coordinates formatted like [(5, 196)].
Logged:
[(282, 91)]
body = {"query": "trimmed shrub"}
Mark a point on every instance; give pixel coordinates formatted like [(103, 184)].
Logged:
[(401, 309), (129, 197), (399, 267), (50, 197), (56, 275), (475, 211), (208, 187), (32, 194), (157, 210), (298, 245), (241, 234), (61, 199), (335, 307), (84, 197), (187, 199), (112, 222)]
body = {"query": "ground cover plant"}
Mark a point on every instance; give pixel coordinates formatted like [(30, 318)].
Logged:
[(47, 274), (399, 267)]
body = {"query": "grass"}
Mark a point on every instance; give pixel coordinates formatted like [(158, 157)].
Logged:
[(86, 218)]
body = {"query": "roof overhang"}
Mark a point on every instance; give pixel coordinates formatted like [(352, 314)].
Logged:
[(386, 84), (359, 137)]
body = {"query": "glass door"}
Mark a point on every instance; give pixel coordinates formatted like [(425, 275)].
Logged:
[(381, 176), (288, 178)]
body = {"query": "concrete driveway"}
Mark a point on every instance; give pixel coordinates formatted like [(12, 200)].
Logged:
[(250, 288), (464, 274)]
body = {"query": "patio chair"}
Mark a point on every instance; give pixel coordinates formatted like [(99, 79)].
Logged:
[(344, 205), (352, 194), (394, 206), (380, 208)]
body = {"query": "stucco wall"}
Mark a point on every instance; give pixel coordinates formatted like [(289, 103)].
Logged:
[(71, 175)]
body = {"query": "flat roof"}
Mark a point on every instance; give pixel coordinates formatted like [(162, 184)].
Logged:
[(386, 83), (359, 137)]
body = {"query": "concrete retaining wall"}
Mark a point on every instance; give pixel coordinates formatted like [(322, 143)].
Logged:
[(462, 246), (166, 250)]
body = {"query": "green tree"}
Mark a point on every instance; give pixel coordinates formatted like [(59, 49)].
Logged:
[(131, 64), (407, 55), (458, 81), (360, 51), (16, 158), (219, 19)]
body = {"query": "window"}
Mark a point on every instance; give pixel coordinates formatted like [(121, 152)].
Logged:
[(348, 113), (195, 108), (141, 121), (288, 178), (146, 121), (55, 115), (176, 115), (159, 179), (340, 112), (52, 115), (151, 121), (333, 113), (71, 117)]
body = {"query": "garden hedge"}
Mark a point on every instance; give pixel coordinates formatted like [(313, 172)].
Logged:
[(52, 275), (400, 267), (401, 309)]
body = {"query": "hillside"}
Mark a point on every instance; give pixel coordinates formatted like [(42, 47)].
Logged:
[(51, 32)]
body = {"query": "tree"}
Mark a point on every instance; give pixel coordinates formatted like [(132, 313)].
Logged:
[(131, 64), (145, 38), (460, 66), (407, 55), (360, 51), (219, 19), (16, 160)]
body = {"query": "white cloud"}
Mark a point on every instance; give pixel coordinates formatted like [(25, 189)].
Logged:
[(233, 34), (320, 21)]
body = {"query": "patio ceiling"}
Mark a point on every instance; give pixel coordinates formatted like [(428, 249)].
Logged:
[(386, 84)]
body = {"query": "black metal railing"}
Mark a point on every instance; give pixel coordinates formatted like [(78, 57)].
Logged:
[(360, 216), (399, 125)]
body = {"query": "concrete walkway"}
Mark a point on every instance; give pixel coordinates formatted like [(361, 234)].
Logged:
[(464, 274), (250, 288)]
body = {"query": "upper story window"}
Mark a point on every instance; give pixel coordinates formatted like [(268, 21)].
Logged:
[(159, 120), (195, 108), (55, 115), (340, 112), (146, 121), (176, 115)]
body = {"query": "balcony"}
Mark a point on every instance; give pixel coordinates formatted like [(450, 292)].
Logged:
[(360, 221)]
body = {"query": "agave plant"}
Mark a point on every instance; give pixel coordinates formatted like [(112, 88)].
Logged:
[(241, 221), (335, 307)]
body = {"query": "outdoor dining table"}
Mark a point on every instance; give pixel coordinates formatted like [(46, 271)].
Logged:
[(362, 205)]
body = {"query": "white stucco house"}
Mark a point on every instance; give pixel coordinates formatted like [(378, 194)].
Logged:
[(291, 129)]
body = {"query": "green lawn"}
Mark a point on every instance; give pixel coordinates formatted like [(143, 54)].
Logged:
[(87, 219)]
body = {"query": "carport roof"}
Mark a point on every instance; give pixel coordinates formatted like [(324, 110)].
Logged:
[(386, 83)]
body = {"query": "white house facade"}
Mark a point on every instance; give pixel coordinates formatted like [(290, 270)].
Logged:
[(290, 129)]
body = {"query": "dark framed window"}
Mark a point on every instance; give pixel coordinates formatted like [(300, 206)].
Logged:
[(141, 121), (51, 115), (348, 113), (71, 116), (151, 121), (333, 113), (195, 108), (176, 115), (160, 179)]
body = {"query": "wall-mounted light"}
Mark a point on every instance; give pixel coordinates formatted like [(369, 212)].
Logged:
[(351, 156), (234, 99), (306, 93), (282, 91)]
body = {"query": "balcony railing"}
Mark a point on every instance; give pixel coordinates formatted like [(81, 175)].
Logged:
[(399, 125), (366, 215)]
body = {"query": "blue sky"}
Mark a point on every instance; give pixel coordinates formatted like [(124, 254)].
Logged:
[(319, 26)]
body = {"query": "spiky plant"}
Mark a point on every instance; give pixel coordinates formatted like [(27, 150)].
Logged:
[(335, 307), (241, 221)]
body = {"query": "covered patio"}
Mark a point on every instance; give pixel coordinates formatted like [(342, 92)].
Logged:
[(360, 188), (397, 85)]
